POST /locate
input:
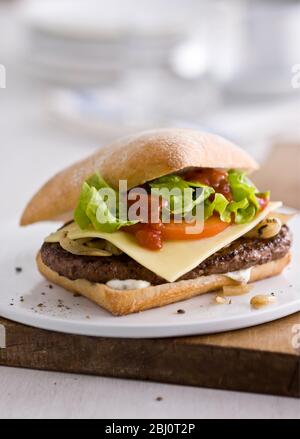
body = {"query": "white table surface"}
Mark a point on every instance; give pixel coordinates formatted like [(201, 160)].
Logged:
[(32, 148)]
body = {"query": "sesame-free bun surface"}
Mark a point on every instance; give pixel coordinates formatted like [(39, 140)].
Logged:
[(126, 302), (137, 159)]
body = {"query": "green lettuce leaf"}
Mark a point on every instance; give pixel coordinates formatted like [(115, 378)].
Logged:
[(245, 215), (242, 209), (242, 187), (93, 208), (245, 204), (187, 198), (97, 182), (80, 216), (170, 182), (219, 205), (240, 212)]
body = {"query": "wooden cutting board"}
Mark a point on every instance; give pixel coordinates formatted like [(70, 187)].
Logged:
[(264, 359)]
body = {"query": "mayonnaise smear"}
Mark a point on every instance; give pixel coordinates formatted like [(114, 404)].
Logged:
[(241, 276), (128, 284)]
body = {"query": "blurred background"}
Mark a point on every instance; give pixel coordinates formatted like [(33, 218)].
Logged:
[(80, 73)]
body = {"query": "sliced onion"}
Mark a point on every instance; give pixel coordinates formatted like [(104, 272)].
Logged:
[(79, 249), (105, 245), (83, 246), (56, 236), (266, 229)]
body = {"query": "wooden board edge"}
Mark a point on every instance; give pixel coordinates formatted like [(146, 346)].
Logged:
[(160, 360)]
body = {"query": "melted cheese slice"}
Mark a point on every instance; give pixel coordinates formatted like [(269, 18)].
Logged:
[(176, 257)]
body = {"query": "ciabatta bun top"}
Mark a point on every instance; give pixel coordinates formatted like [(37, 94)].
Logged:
[(137, 159)]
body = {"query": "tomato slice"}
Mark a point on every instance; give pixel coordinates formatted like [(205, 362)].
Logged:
[(174, 231)]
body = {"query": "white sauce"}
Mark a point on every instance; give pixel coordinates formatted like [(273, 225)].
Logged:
[(128, 284), (241, 276)]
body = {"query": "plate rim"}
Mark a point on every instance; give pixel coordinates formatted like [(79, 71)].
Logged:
[(158, 331)]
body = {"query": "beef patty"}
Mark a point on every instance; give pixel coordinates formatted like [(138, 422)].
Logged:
[(242, 253)]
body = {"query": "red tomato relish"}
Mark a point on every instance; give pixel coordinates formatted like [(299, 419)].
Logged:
[(216, 178)]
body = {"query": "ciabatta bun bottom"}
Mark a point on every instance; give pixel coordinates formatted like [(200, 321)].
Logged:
[(126, 302)]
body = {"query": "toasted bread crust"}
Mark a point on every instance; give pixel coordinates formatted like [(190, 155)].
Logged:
[(127, 302), (137, 159)]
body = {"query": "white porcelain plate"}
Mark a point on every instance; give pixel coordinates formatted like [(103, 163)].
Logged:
[(28, 298)]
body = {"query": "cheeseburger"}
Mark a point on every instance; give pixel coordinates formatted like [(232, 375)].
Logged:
[(157, 218)]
